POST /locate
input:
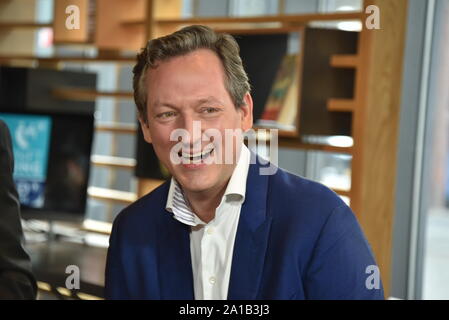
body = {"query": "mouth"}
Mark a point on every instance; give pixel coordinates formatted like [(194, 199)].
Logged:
[(197, 157)]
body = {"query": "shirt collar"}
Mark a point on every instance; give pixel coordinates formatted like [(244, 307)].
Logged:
[(235, 191)]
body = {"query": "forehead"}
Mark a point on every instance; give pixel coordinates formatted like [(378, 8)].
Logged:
[(197, 73)]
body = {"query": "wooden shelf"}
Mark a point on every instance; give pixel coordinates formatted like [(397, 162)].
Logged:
[(341, 105), (341, 192), (81, 94), (69, 59), (302, 19), (296, 144), (295, 19), (321, 82), (110, 195), (344, 61), (113, 162), (291, 140), (78, 43), (24, 25), (133, 22), (116, 128), (119, 26), (100, 227), (281, 133)]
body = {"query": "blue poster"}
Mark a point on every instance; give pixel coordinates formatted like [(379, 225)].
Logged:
[(31, 142)]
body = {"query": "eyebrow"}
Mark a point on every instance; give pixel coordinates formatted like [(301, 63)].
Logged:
[(199, 102), (164, 104), (208, 100)]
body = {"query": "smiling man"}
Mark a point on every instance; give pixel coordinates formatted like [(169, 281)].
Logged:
[(219, 229)]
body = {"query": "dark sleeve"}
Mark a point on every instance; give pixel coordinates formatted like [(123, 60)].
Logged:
[(342, 265), (16, 278), (115, 284)]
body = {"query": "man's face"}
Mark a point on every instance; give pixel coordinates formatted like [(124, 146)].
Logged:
[(191, 88)]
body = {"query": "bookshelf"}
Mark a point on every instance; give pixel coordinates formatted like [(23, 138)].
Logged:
[(367, 108), (371, 111), (68, 93)]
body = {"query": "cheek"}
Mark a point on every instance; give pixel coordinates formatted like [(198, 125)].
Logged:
[(162, 150), (161, 137), (237, 119), (229, 121)]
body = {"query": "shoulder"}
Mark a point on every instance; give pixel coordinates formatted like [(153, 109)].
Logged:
[(314, 219), (6, 156), (307, 207), (144, 211), (302, 192), (4, 133), (2, 125)]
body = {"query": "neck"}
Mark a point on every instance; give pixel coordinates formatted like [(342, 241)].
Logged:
[(204, 203)]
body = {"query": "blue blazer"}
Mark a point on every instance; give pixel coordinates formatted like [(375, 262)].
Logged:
[(296, 239)]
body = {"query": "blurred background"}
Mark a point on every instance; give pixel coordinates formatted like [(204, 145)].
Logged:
[(356, 89)]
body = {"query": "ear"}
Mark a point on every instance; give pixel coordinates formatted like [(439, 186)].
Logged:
[(246, 112), (145, 130)]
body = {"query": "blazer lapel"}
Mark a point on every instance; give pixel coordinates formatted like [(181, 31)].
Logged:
[(174, 259), (251, 239)]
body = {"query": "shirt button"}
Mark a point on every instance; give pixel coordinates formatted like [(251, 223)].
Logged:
[(210, 230), (212, 280)]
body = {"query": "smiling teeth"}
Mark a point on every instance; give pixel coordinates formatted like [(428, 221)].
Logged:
[(197, 156)]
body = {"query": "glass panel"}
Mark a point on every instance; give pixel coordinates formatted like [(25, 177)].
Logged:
[(435, 182), (340, 5), (253, 7)]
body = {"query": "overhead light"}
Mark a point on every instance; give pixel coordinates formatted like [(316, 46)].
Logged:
[(340, 141), (352, 25)]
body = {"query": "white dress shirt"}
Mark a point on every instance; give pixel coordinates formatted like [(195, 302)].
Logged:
[(212, 244)]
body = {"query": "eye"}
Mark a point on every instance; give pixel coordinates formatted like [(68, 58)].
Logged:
[(166, 115), (210, 110)]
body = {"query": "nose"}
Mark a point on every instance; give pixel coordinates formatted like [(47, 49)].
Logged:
[(193, 129)]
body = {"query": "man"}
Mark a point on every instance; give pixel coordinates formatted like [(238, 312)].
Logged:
[(16, 279), (221, 229)]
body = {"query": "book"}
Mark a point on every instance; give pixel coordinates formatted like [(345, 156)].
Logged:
[(282, 103)]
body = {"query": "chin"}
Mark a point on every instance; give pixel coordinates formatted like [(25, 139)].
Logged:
[(195, 186)]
